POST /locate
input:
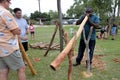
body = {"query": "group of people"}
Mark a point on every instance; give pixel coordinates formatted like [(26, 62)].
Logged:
[(104, 32), (14, 27)]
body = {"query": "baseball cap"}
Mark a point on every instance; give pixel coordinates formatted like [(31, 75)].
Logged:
[(89, 10)]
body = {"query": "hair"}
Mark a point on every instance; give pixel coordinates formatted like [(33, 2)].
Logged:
[(1, 1), (16, 10), (89, 9), (31, 23)]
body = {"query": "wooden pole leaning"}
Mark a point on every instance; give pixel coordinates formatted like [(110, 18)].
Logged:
[(51, 42), (58, 60), (26, 58)]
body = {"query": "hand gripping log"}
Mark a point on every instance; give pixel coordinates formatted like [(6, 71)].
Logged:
[(58, 60), (26, 58)]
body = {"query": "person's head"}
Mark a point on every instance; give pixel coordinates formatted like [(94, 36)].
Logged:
[(5, 3), (31, 24), (18, 12), (89, 10)]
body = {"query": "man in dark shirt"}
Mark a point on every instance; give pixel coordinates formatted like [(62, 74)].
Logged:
[(93, 21)]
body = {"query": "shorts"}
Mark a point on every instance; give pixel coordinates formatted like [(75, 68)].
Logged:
[(14, 61), (25, 45), (32, 32), (113, 31)]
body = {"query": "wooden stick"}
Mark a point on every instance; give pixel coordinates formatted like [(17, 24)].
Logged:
[(70, 64), (26, 58), (69, 56), (58, 60), (51, 42)]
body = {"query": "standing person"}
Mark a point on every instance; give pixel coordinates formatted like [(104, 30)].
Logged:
[(92, 21), (32, 31), (22, 23), (113, 31), (10, 56)]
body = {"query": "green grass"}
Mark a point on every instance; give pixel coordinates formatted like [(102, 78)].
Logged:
[(44, 72)]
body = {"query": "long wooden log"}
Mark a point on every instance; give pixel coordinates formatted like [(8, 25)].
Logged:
[(51, 42), (58, 60), (26, 58)]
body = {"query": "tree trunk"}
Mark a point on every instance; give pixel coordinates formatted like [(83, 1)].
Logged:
[(60, 21), (118, 13), (114, 8), (39, 5)]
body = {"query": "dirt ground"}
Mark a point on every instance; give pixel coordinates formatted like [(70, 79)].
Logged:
[(116, 60), (97, 62)]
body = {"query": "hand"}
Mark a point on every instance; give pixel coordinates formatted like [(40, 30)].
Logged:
[(27, 32), (24, 38), (16, 31), (90, 22), (87, 14)]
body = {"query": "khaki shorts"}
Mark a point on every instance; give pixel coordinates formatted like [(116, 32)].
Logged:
[(14, 61)]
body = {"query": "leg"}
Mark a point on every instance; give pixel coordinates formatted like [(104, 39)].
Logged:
[(91, 47), (31, 35), (3, 70), (80, 51), (4, 74), (15, 62), (21, 73)]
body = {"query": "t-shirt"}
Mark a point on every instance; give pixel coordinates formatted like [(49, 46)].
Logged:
[(31, 28), (94, 19), (8, 41), (22, 23)]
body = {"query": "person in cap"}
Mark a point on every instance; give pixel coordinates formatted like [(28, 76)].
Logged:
[(93, 21), (10, 56)]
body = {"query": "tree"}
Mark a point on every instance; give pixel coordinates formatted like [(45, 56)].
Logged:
[(103, 8), (53, 14), (38, 15), (39, 5)]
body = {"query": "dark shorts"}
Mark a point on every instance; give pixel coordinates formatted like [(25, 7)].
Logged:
[(32, 32), (25, 45)]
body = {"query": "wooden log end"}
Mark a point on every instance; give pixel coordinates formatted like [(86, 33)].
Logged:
[(52, 67)]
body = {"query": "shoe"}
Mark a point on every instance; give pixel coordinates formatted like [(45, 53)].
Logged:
[(112, 39), (76, 64)]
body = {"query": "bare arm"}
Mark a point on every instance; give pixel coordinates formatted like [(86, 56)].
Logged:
[(16, 31), (95, 25), (27, 31), (80, 20)]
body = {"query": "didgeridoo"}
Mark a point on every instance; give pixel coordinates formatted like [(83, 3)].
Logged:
[(58, 60), (26, 58)]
